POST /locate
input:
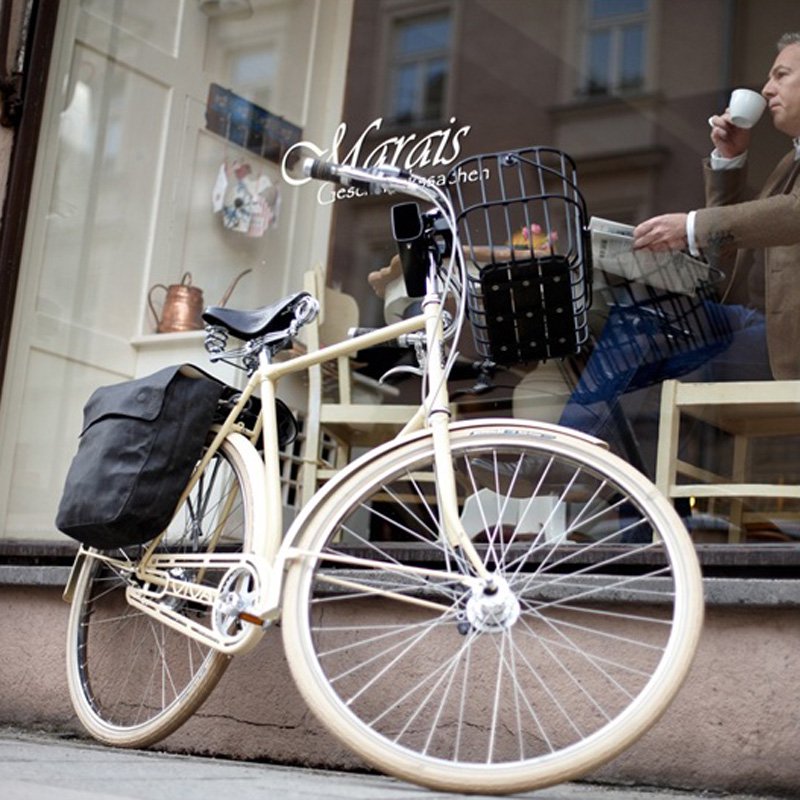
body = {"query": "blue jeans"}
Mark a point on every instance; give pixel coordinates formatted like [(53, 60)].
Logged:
[(596, 402)]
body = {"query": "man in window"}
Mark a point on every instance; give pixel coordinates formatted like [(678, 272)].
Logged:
[(756, 242)]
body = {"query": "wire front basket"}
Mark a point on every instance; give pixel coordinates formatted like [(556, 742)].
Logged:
[(522, 223), (663, 321)]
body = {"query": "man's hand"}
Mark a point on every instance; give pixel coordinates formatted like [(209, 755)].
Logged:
[(666, 232), (728, 140)]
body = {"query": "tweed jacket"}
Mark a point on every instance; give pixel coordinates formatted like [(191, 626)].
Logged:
[(757, 244)]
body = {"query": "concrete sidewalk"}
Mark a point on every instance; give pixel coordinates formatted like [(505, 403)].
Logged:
[(44, 766)]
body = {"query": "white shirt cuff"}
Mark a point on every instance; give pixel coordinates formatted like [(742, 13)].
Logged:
[(693, 248), (720, 162)]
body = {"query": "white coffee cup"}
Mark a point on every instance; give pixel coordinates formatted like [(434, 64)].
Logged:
[(746, 107)]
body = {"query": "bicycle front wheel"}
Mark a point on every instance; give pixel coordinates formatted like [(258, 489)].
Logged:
[(132, 678), (570, 651)]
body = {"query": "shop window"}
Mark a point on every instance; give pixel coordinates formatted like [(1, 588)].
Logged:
[(615, 47), (419, 68)]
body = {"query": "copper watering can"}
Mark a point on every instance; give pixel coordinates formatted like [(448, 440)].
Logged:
[(183, 304)]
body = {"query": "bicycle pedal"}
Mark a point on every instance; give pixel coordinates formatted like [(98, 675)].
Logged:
[(245, 616)]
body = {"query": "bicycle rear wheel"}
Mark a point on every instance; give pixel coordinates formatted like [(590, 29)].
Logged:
[(438, 678), (132, 678)]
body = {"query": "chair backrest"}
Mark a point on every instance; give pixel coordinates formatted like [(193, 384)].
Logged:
[(338, 312), (337, 315)]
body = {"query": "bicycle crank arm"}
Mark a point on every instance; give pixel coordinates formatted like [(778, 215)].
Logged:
[(171, 590)]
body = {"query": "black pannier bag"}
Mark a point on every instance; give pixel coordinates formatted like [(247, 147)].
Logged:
[(140, 442)]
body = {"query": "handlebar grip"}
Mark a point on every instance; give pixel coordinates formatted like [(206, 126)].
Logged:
[(340, 174), (371, 179), (320, 170)]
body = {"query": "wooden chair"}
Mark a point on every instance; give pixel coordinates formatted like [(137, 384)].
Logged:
[(745, 410), (346, 410)]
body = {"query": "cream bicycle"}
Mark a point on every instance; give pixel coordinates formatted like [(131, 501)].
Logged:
[(484, 605)]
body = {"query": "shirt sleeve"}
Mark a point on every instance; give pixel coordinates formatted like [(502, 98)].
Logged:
[(720, 162), (690, 238)]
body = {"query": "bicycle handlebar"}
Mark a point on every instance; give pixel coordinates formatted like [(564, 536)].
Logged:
[(389, 178), (369, 178), (374, 180)]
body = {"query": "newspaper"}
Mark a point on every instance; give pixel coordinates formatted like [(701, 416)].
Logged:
[(673, 271)]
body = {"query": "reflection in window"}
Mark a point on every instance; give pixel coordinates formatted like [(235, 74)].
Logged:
[(420, 58), (615, 46), (254, 74)]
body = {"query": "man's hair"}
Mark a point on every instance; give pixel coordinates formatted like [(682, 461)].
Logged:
[(787, 39)]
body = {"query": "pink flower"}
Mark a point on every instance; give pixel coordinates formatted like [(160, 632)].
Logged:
[(532, 236)]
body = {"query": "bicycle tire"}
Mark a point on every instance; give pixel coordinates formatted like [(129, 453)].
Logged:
[(132, 679), (582, 652)]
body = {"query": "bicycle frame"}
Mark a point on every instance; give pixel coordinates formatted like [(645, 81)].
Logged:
[(265, 563)]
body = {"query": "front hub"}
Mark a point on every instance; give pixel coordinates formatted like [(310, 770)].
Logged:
[(492, 607)]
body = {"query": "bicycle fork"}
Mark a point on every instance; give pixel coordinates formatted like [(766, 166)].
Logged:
[(437, 408)]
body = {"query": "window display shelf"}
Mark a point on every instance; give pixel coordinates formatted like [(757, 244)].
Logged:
[(163, 341), (158, 350)]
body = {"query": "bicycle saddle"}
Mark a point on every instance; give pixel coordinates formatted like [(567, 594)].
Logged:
[(246, 325)]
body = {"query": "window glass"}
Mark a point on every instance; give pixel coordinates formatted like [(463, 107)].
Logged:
[(140, 188), (502, 76), (404, 93), (632, 57), (425, 85), (615, 55), (419, 68), (424, 35), (435, 81), (152, 21), (599, 78)]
